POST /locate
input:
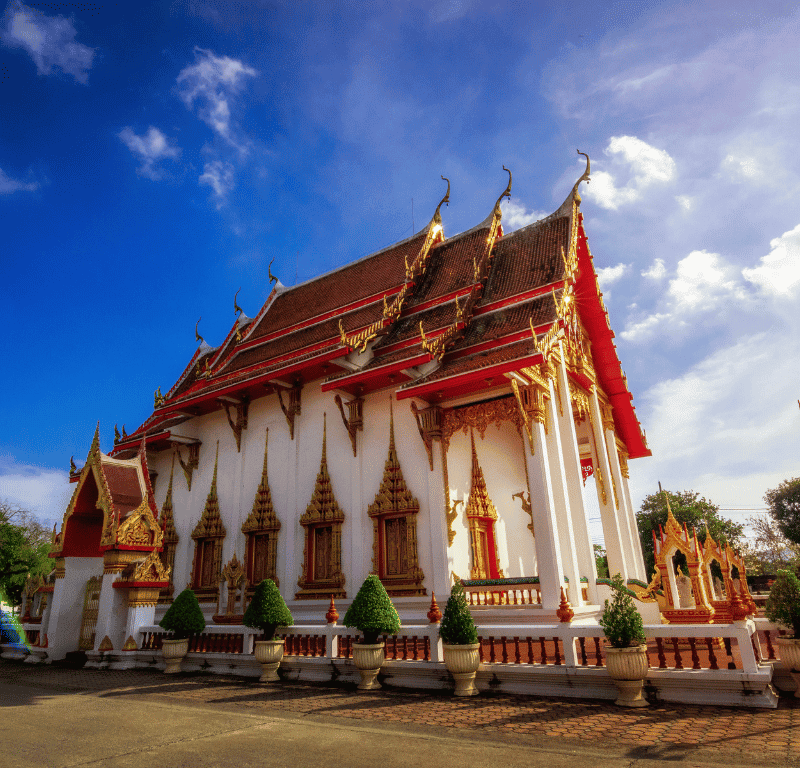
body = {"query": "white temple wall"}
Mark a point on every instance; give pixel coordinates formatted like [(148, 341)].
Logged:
[(65, 623), (459, 476)]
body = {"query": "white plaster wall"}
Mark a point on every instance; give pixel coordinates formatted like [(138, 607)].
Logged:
[(69, 610)]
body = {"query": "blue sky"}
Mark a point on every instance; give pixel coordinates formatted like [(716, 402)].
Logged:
[(156, 157)]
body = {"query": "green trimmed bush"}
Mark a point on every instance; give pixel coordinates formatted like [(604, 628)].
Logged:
[(783, 603), (621, 620), (372, 612), (267, 610), (457, 626), (184, 617)]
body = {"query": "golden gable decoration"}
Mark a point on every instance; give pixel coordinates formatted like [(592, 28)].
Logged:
[(150, 570), (322, 550), (261, 532), (140, 528), (394, 529)]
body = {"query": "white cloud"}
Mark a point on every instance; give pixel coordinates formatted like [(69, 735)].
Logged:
[(657, 271), (607, 276), (743, 167), (727, 427), (9, 185), (704, 282), (448, 10), (779, 272), (648, 165), (210, 85), (149, 148), (50, 41), (219, 176), (43, 490), (516, 215), (685, 201)]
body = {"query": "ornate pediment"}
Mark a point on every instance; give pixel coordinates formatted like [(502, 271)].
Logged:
[(140, 529), (150, 569)]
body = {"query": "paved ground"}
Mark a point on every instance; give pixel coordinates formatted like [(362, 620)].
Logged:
[(62, 717)]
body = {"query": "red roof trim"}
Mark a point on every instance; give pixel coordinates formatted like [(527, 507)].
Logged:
[(449, 382), (360, 376)]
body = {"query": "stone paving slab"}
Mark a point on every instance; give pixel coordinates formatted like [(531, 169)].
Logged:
[(673, 732)]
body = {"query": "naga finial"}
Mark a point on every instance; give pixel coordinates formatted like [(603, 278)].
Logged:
[(124, 433), (588, 168), (506, 193), (116, 435), (437, 217), (272, 277), (236, 308), (197, 335), (73, 470)]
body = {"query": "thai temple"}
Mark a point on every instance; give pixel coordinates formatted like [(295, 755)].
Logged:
[(430, 412)]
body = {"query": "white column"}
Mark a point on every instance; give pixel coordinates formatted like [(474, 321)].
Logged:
[(287, 566), (612, 531), (111, 612), (574, 480), (626, 522), (543, 508), (563, 510), (638, 556), (137, 616), (443, 563), (358, 566)]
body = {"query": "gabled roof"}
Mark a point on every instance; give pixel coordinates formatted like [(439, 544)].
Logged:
[(432, 317)]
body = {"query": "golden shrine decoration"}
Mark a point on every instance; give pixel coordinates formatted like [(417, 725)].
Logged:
[(394, 529), (261, 531), (322, 549), (235, 578), (208, 535), (391, 312), (687, 604), (729, 602), (481, 515)]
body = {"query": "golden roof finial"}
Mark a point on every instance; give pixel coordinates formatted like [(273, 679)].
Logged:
[(72, 468), (96, 440), (506, 193), (237, 310), (272, 277), (197, 335), (588, 170), (437, 217)]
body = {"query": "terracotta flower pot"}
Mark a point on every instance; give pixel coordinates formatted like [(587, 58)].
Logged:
[(173, 652), (368, 660), (627, 667), (789, 650), (269, 653), (462, 662)]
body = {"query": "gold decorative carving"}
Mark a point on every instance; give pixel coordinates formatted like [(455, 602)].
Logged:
[(208, 535), (526, 506), (158, 399), (614, 488), (73, 469), (130, 644), (394, 529), (429, 425), (322, 551), (291, 410), (116, 561), (91, 601), (60, 568), (105, 645), (481, 516), (140, 528), (192, 462), (235, 578), (450, 509), (170, 537), (355, 422), (262, 526), (479, 417), (141, 597), (239, 424), (151, 569)]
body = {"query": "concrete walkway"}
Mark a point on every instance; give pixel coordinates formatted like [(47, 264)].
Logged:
[(53, 716)]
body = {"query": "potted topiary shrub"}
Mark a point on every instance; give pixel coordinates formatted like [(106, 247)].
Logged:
[(183, 618), (267, 611), (626, 656), (373, 614), (783, 607), (460, 642)]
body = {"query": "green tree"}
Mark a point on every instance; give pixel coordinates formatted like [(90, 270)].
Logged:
[(784, 507), (687, 507), (601, 561), (768, 550), (372, 611), (24, 546), (458, 626)]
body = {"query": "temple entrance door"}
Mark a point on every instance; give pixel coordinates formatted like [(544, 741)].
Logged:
[(91, 602)]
